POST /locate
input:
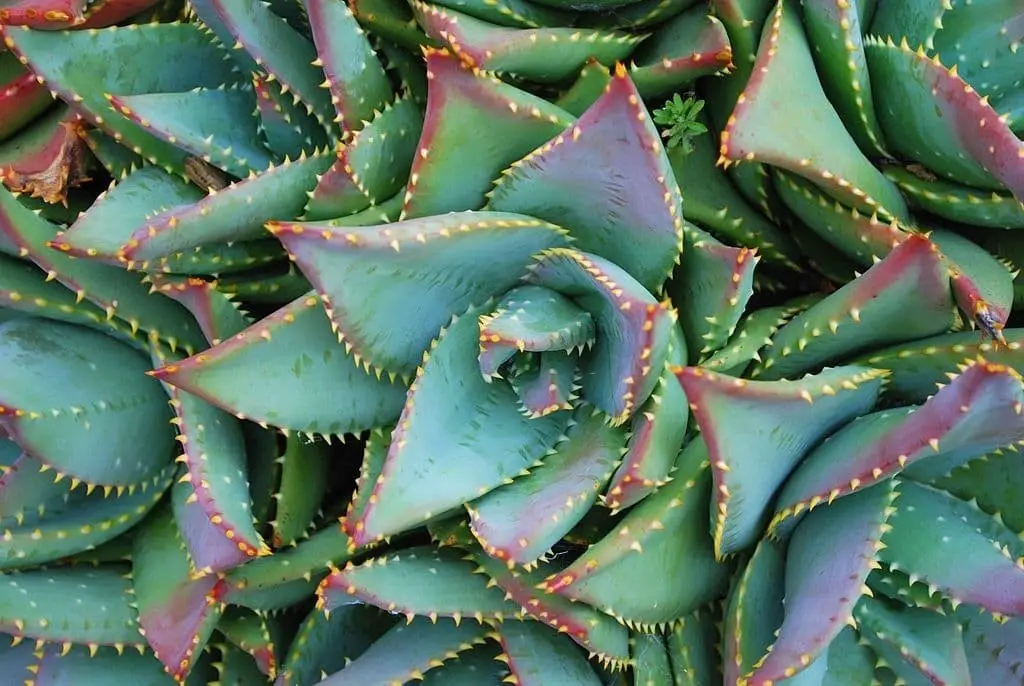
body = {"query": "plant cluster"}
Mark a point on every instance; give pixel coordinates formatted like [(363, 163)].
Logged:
[(544, 342)]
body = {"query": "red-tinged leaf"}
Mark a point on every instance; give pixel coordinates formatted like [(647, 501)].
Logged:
[(44, 14), (904, 297), (521, 521), (177, 613), (954, 547), (956, 132), (102, 13), (218, 317), (666, 530), (208, 548), (754, 611), (827, 563), (390, 288), (47, 159), (608, 180), (821, 149), (251, 633), (546, 383), (633, 328), (396, 583), (656, 435), (458, 156), (976, 413), (22, 98), (758, 431), (358, 83)]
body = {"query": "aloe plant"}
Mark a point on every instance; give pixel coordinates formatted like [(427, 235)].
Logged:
[(610, 342)]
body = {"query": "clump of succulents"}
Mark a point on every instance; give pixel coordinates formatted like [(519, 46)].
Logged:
[(511, 341)]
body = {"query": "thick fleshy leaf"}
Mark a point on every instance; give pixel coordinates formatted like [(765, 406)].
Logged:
[(317, 387), (956, 201), (27, 488), (177, 613), (218, 317), (781, 421), (157, 58), (827, 563), (407, 652), (437, 440), (693, 649), (358, 83), (70, 394), (995, 651), (209, 550), (982, 285), (251, 633), (917, 644), (784, 77), (956, 548), (216, 125), (754, 611), (395, 583), (975, 414), (48, 159), (692, 45), (305, 477), (544, 55), (537, 654), (458, 156), (23, 98), (955, 132), (390, 288), (665, 530), (79, 666), (608, 180), (904, 297), (84, 605), (633, 328), (521, 521), (284, 124)]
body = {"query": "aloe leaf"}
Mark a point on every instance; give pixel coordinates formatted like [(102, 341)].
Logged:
[(375, 453), (305, 468), (90, 522), (481, 665), (918, 21), (209, 550), (863, 238), (450, 395), (746, 480), (75, 64), (390, 583), (108, 223), (325, 643), (991, 34), (915, 642), (955, 131), (916, 369), (613, 156), (27, 486), (23, 98), (633, 329), (532, 319), (251, 633), (544, 55), (380, 280), (70, 392), (692, 45), (513, 13), (458, 157), (656, 435), (930, 524), (217, 125), (664, 529), (279, 50), (521, 521), (823, 152), (982, 285), (754, 611), (47, 159), (692, 649), (288, 129), (78, 605), (536, 654), (119, 293), (221, 259), (992, 481), (590, 83), (373, 165), (993, 649), (358, 83), (713, 284), (272, 286), (716, 205), (217, 316), (235, 213), (650, 659), (317, 387), (409, 651), (77, 666), (118, 160), (177, 613), (956, 201), (904, 297), (835, 32), (753, 333), (827, 563), (970, 417), (235, 666)]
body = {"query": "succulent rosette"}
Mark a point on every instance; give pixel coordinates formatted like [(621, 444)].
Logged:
[(378, 342)]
